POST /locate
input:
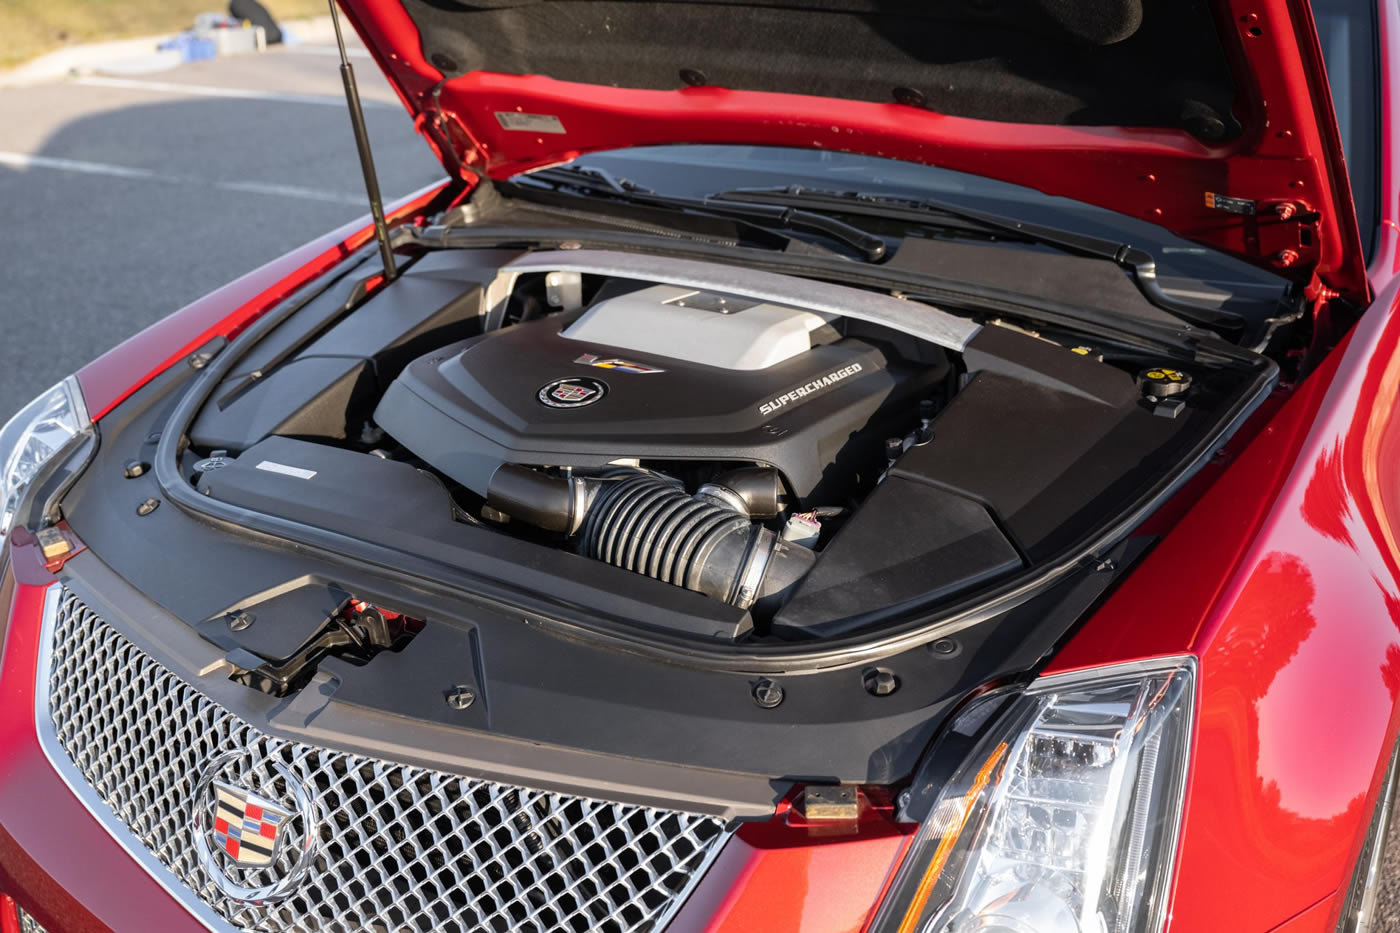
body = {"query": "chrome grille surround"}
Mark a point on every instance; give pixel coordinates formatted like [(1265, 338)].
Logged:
[(28, 924), (401, 848)]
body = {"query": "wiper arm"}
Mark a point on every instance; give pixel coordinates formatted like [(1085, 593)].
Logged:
[(586, 176), (927, 211), (786, 217)]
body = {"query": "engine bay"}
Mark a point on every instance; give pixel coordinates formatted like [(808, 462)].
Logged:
[(759, 456)]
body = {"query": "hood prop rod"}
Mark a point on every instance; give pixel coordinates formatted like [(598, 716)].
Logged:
[(357, 125)]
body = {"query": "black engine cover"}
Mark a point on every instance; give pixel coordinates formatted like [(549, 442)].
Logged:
[(526, 394)]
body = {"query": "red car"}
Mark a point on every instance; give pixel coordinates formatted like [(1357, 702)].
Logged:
[(820, 466)]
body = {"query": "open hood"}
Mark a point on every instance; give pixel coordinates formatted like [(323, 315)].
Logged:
[(1209, 117)]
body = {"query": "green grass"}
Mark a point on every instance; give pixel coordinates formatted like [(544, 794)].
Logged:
[(29, 28)]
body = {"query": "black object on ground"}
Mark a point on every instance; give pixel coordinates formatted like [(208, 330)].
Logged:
[(257, 14)]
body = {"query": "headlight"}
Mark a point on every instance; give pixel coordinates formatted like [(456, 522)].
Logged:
[(32, 437), (1064, 818)]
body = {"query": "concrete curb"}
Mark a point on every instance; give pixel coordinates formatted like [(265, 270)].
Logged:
[(128, 55), (79, 59), (317, 29)]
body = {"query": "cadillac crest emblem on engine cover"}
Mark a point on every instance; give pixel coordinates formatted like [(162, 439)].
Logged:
[(574, 392)]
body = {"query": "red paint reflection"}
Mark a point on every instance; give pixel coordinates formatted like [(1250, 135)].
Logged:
[(1326, 503)]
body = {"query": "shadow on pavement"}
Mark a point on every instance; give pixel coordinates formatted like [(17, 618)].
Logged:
[(169, 201)]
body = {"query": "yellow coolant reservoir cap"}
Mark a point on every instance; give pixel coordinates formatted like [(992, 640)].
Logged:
[(1163, 382)]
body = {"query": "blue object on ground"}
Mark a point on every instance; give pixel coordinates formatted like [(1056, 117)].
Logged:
[(191, 47)]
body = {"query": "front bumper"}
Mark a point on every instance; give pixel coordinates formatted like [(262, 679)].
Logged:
[(64, 866), (56, 859)]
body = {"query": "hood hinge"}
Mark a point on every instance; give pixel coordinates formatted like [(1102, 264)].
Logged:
[(435, 125), (1283, 233)]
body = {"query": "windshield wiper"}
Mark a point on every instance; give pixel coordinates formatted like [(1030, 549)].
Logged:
[(929, 212), (596, 181)]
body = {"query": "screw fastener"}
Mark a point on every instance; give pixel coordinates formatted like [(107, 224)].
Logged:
[(240, 620), (147, 507), (768, 693), (460, 697)]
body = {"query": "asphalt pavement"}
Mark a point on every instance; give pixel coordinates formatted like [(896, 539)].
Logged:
[(123, 199), (1388, 909)]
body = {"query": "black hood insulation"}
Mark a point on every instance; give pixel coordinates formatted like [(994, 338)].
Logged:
[(1101, 63)]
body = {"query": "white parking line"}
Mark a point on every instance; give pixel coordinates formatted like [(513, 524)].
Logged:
[(291, 191), (199, 90), (24, 160)]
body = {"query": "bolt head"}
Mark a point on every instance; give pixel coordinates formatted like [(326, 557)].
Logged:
[(134, 468), (1286, 257), (880, 681), (461, 696), (147, 507), (768, 693)]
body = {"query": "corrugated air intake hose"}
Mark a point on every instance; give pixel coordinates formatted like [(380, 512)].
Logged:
[(650, 525)]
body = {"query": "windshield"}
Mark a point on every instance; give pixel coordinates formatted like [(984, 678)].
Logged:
[(695, 171)]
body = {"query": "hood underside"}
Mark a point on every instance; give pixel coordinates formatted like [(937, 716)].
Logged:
[(1212, 119)]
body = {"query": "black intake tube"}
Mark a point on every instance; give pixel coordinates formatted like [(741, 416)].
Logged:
[(554, 503), (755, 491)]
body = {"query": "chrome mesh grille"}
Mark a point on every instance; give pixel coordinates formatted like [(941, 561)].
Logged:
[(400, 848), (28, 924)]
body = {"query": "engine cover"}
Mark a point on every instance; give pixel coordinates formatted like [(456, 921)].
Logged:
[(533, 394)]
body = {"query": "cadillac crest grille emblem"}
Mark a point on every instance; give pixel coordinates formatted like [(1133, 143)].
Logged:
[(255, 826), (246, 826)]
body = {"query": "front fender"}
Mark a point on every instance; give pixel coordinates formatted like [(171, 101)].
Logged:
[(1284, 580)]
